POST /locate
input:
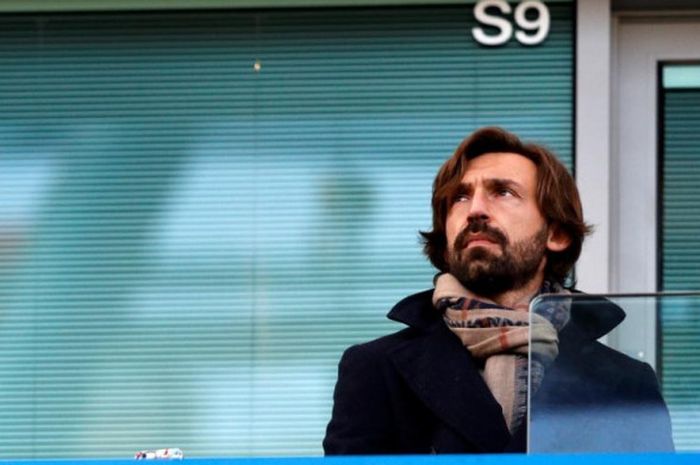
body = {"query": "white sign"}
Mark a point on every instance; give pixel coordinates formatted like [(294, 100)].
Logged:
[(530, 31)]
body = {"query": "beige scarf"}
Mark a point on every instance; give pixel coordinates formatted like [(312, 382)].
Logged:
[(499, 337)]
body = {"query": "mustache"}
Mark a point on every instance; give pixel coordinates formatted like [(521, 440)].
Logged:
[(480, 227)]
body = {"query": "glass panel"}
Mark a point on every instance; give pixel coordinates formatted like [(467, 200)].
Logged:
[(585, 396)]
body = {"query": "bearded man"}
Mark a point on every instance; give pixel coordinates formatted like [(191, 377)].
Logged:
[(507, 227)]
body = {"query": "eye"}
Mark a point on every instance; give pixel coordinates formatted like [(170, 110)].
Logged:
[(462, 197), (505, 192)]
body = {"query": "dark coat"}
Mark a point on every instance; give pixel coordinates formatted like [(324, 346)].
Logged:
[(419, 391)]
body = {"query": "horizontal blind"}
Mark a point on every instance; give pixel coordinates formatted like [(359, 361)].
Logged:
[(680, 324), (202, 210)]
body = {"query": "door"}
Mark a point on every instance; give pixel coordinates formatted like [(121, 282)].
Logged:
[(652, 239)]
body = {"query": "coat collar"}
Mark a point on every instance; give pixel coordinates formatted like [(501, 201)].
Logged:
[(594, 316), (416, 311), (446, 379), (591, 316)]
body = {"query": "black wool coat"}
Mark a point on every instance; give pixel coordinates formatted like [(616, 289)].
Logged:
[(419, 391)]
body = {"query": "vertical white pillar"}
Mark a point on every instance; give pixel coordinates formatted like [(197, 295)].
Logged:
[(593, 122)]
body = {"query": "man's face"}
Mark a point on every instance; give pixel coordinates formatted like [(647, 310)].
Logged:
[(497, 237)]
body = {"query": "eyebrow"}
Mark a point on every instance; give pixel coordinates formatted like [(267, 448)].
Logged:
[(500, 182), (494, 183)]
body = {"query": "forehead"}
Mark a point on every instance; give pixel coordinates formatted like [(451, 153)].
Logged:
[(501, 165)]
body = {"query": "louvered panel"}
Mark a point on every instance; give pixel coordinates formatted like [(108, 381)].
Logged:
[(187, 245), (680, 324)]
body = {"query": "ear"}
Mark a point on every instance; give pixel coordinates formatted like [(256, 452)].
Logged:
[(557, 240)]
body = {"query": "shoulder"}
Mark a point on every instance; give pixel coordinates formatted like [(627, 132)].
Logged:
[(602, 374), (635, 378), (377, 350), (606, 391), (592, 317), (365, 400), (612, 362)]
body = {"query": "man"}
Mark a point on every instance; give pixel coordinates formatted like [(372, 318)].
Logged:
[(507, 227)]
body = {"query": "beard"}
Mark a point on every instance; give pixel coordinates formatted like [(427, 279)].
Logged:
[(488, 274)]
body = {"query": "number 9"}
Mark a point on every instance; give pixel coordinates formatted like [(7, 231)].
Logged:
[(540, 24)]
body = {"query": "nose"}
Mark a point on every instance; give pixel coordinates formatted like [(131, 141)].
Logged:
[(479, 206)]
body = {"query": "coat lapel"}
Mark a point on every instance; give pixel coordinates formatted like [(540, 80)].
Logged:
[(442, 374)]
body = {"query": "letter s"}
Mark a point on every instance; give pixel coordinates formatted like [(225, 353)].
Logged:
[(504, 26)]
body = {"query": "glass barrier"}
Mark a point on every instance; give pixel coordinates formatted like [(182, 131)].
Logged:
[(615, 373)]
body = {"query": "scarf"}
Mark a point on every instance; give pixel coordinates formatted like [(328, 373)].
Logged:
[(499, 338)]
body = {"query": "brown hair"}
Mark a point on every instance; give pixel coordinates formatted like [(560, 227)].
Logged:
[(557, 196)]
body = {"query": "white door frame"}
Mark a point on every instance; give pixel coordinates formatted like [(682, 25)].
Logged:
[(640, 42)]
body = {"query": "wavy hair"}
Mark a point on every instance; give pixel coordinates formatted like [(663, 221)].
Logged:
[(557, 197)]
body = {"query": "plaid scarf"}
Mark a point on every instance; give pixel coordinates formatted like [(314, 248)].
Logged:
[(499, 338)]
